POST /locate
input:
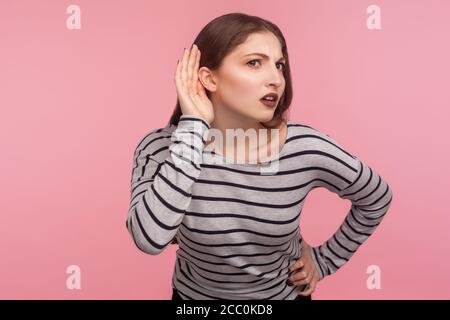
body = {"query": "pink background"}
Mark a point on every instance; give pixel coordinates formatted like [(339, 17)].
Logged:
[(74, 104)]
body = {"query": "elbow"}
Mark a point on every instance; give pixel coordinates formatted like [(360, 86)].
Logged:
[(387, 201), (147, 249), (377, 205), (145, 246), (141, 243), (389, 196), (391, 193)]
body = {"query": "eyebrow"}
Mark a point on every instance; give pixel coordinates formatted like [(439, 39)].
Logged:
[(263, 55)]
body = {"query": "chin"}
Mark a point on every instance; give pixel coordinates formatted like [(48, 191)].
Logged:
[(264, 116), (260, 115)]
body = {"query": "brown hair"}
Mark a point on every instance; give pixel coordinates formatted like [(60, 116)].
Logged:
[(221, 35)]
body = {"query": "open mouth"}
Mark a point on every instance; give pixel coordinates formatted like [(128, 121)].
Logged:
[(270, 99), (269, 103)]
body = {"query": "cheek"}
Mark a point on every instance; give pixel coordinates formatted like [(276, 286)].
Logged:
[(239, 88)]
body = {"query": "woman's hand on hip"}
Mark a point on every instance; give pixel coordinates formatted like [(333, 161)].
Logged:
[(305, 271)]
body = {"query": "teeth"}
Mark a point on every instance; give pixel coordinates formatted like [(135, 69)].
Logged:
[(269, 98)]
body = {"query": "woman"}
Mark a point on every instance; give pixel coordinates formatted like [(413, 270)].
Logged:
[(237, 221)]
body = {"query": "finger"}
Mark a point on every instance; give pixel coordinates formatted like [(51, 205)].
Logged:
[(178, 76), (176, 69), (312, 286), (201, 89), (195, 76), (191, 62), (306, 292), (303, 281), (184, 68), (194, 70), (309, 289), (298, 264), (298, 275)]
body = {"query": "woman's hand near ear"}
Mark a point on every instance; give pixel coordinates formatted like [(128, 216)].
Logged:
[(191, 93)]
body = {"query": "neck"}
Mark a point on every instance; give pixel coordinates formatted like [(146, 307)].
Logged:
[(254, 140)]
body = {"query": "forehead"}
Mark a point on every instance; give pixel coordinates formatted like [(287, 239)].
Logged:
[(265, 43)]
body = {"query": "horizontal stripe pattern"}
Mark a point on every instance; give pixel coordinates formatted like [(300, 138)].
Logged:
[(237, 227)]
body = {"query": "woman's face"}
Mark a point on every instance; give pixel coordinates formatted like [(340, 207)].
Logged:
[(245, 77)]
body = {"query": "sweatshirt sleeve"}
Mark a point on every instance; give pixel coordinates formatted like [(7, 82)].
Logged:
[(350, 178), (164, 171)]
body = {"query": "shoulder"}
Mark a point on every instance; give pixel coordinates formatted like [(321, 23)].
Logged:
[(309, 137), (307, 129), (334, 165), (155, 140)]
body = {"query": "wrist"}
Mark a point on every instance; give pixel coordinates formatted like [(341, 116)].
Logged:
[(304, 244)]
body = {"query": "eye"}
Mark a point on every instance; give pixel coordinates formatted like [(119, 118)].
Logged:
[(258, 60), (283, 64)]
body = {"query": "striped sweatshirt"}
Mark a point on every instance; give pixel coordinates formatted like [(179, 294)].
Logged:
[(237, 223)]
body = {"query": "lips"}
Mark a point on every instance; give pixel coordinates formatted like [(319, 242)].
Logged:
[(268, 102), (274, 95)]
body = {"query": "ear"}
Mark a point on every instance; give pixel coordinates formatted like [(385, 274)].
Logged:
[(207, 78)]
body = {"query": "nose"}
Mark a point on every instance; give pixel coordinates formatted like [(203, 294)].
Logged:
[(275, 77)]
